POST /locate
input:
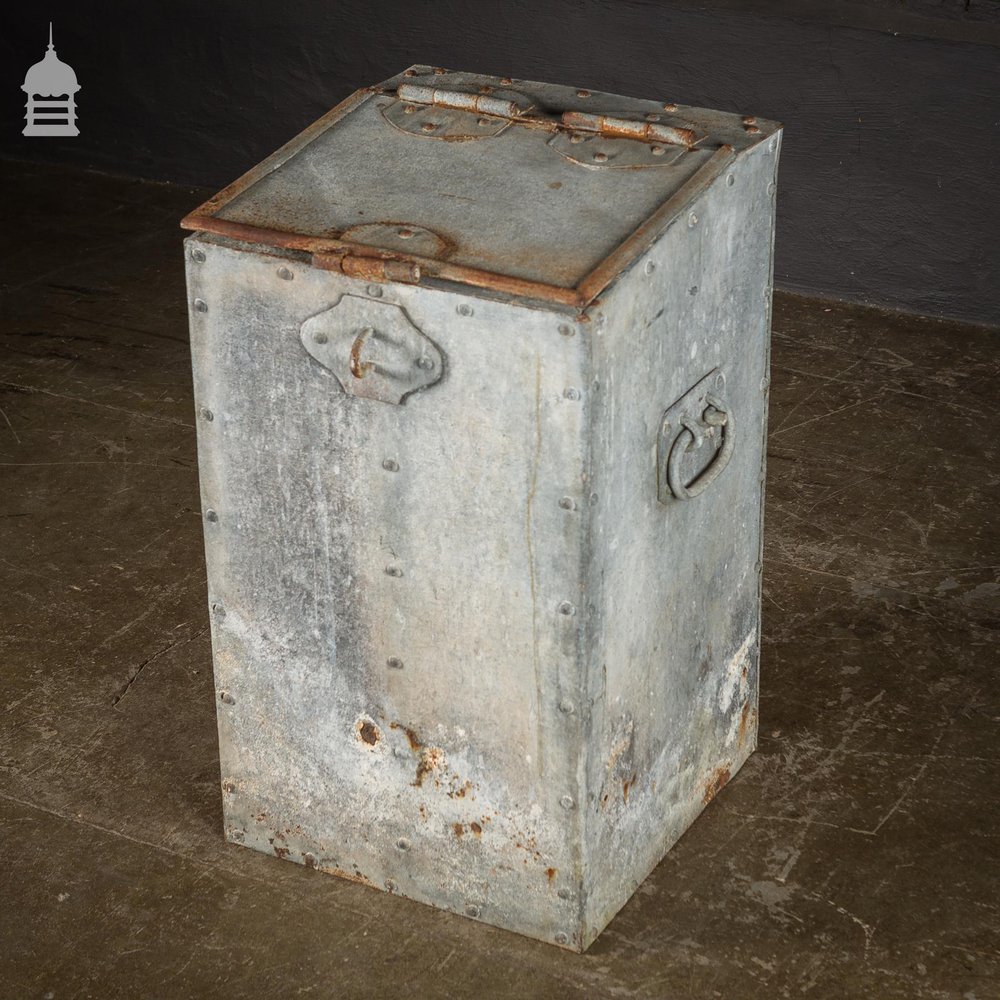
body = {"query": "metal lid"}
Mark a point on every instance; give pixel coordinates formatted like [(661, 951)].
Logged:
[(531, 189)]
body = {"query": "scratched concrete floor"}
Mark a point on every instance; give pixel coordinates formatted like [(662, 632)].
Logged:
[(856, 854)]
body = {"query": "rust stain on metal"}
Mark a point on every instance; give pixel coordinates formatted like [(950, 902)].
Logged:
[(459, 829), (355, 876), (551, 873), (476, 828), (411, 735), (627, 786), (717, 782), (431, 759), (368, 732)]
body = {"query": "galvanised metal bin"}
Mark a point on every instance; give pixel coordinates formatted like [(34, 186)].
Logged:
[(481, 369)]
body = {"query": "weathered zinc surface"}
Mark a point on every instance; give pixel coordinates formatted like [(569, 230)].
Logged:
[(481, 369)]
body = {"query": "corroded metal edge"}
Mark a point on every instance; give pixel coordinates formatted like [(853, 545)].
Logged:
[(204, 219)]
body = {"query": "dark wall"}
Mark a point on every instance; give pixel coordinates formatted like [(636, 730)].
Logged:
[(889, 170)]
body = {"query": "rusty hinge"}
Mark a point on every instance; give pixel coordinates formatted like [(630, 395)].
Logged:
[(459, 100), (453, 115), (624, 128), (368, 268)]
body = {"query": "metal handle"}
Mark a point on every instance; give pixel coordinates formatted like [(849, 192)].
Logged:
[(716, 415)]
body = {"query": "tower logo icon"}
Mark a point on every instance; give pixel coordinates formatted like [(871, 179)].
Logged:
[(51, 87)]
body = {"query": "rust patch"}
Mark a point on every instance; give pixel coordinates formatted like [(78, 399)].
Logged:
[(281, 852), (627, 786), (368, 732), (476, 828), (744, 722), (459, 829), (309, 860), (411, 736), (718, 780), (430, 760), (350, 876), (551, 872)]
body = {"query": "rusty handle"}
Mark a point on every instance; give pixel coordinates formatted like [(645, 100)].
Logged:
[(716, 415), (359, 368)]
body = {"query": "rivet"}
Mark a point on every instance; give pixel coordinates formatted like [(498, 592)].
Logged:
[(211, 515), (571, 393), (751, 129), (765, 384), (206, 414), (390, 885), (394, 663), (693, 290), (320, 338), (657, 151), (771, 188), (425, 363), (408, 109), (565, 608), (409, 72), (692, 220), (506, 80), (482, 121), (567, 503), (730, 180), (285, 274), (393, 571), (583, 93), (226, 698), (566, 330), (439, 71), (309, 859), (405, 234), (471, 910), (575, 137), (749, 120), (650, 267), (237, 835), (562, 938), (429, 126), (600, 157), (228, 787), (567, 802), (201, 305), (593, 498), (464, 309), (669, 106), (389, 465), (374, 291), (652, 116), (566, 707), (403, 844), (219, 610), (198, 255), (564, 894)]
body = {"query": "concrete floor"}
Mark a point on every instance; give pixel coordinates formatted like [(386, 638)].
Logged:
[(855, 855)]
